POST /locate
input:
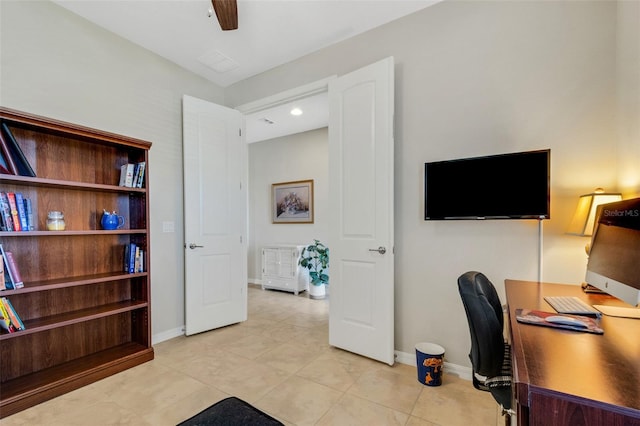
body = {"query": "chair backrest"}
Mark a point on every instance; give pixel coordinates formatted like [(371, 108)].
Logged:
[(485, 317)]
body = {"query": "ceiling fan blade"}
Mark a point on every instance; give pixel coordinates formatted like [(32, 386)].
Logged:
[(227, 13)]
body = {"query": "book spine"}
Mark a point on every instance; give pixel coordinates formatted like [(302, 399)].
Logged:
[(13, 315), (123, 175), (23, 166), (13, 270), (3, 225), (28, 206), (140, 181), (136, 262), (8, 279), (13, 208), (22, 212), (125, 262), (3, 280), (5, 211), (129, 177), (126, 175), (5, 322), (136, 173), (6, 160), (132, 258)]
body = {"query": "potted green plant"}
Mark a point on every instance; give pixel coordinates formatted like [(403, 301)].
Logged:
[(315, 258)]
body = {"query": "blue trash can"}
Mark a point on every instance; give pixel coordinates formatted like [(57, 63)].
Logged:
[(429, 359)]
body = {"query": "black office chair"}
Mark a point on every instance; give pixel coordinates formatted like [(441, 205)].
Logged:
[(490, 355)]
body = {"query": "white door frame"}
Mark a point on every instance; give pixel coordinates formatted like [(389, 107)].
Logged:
[(287, 96)]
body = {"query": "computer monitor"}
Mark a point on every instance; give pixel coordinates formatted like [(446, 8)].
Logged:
[(614, 257)]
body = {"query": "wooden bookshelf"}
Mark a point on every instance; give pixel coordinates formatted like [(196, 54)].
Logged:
[(85, 318)]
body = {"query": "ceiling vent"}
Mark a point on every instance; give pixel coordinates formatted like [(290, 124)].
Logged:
[(218, 61)]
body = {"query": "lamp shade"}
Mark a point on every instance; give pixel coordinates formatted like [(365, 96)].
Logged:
[(585, 215)]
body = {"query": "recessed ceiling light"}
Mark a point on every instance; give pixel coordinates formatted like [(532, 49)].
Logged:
[(296, 111)]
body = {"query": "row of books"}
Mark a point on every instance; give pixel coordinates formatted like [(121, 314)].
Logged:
[(132, 175), (10, 277), (16, 212), (133, 258), (10, 320), (12, 159)]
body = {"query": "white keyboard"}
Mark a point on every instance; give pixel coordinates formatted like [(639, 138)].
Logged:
[(571, 305)]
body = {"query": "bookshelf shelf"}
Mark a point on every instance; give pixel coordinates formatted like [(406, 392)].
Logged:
[(85, 318), (36, 286), (55, 183), (47, 323), (23, 234)]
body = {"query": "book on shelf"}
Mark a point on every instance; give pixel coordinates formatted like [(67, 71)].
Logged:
[(136, 172), (13, 314), (136, 260), (8, 166), (132, 258), (3, 225), (15, 152), (5, 321), (22, 211), (28, 206), (3, 280), (126, 175), (12, 271), (8, 283), (5, 211), (140, 180), (125, 258), (13, 208)]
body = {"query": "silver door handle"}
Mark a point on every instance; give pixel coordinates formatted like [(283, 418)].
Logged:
[(380, 250), (192, 246)]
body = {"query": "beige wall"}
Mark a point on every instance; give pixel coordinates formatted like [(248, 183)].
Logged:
[(472, 78), (297, 157), (56, 64), (628, 91)]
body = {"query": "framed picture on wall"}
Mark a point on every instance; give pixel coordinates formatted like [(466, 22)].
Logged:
[(292, 202)]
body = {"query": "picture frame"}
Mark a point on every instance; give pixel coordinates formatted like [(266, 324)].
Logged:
[(292, 202)]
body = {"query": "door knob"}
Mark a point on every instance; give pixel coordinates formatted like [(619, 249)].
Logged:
[(192, 246), (380, 250)]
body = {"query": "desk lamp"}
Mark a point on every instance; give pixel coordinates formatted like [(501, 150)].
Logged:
[(585, 215)]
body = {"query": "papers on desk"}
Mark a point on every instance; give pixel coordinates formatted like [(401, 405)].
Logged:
[(528, 316)]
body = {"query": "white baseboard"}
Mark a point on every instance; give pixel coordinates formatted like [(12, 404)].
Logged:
[(257, 281), (166, 335), (458, 370)]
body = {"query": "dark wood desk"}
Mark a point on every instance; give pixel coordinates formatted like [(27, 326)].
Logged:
[(571, 378)]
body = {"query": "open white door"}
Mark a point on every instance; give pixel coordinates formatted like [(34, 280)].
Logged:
[(215, 215), (361, 219)]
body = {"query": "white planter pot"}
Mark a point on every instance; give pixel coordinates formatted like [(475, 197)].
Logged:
[(317, 291)]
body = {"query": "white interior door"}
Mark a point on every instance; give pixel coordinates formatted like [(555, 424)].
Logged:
[(361, 220), (215, 215)]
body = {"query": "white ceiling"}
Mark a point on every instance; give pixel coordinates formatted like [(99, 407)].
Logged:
[(270, 33)]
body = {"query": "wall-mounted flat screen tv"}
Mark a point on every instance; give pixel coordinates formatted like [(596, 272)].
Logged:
[(505, 186)]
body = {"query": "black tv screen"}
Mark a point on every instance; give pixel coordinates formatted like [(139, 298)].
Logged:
[(505, 186)]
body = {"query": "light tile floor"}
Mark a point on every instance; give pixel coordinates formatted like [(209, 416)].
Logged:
[(280, 361)]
